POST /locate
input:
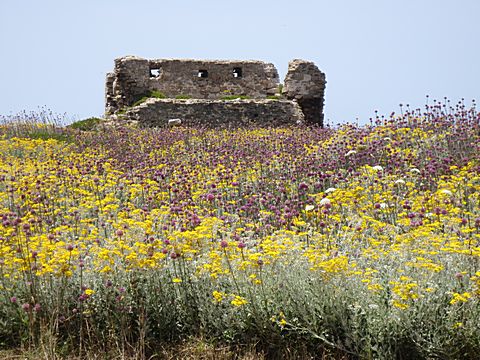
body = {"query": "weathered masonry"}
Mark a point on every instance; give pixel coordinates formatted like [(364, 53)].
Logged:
[(214, 93)]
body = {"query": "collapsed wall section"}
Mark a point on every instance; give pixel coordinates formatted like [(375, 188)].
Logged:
[(305, 83), (216, 113), (127, 84)]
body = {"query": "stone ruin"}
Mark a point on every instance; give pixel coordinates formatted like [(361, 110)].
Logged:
[(214, 93)]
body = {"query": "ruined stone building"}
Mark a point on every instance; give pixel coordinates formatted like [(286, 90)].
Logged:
[(214, 93)]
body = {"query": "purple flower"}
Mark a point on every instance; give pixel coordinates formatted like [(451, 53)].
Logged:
[(303, 186)]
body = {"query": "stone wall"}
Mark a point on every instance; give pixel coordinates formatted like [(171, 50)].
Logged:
[(134, 78), (200, 79), (216, 113)]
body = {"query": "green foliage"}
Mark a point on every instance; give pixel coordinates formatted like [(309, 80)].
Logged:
[(273, 97), (140, 101), (86, 124), (235, 97), (47, 134), (155, 94)]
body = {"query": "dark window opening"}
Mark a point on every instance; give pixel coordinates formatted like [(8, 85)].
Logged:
[(202, 73), (155, 73), (237, 72)]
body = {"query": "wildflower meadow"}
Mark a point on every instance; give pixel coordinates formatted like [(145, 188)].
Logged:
[(343, 242)]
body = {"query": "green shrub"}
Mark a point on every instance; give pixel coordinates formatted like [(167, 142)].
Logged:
[(86, 124)]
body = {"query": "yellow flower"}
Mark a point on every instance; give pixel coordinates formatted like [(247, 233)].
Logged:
[(375, 287), (460, 297), (106, 269), (282, 322), (298, 222), (219, 296), (239, 301), (400, 305), (176, 280), (89, 292)]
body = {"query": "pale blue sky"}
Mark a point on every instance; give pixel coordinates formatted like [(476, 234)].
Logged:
[(375, 53)]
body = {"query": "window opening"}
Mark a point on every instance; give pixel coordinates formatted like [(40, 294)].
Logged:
[(155, 73), (237, 72), (202, 73)]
